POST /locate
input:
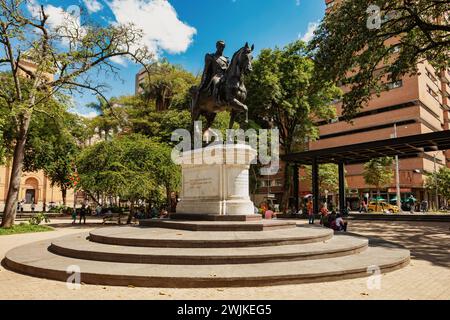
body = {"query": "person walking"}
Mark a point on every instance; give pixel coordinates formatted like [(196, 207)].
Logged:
[(412, 204), (33, 207), (362, 206), (83, 214), (310, 209), (424, 206), (74, 216), (324, 216)]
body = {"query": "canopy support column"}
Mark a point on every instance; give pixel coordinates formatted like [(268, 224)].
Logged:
[(342, 202), (315, 186), (296, 187)]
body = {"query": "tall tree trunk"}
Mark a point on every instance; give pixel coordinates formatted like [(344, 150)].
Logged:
[(169, 200), (131, 215), (287, 187), (64, 195), (9, 215), (378, 197)]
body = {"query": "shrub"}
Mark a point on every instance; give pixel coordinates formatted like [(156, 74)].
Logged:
[(38, 218)]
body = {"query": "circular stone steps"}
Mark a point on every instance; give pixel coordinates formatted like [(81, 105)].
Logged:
[(167, 238), (157, 257), (77, 246), (34, 259), (255, 226)]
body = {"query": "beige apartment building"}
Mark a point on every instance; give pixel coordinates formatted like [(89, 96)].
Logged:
[(35, 188), (415, 105)]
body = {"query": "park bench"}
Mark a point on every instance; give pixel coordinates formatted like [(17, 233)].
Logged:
[(113, 216)]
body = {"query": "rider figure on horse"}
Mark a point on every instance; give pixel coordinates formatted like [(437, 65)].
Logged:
[(215, 67)]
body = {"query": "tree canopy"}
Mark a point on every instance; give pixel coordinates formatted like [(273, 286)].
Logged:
[(168, 86), (367, 45), (442, 180), (328, 177), (378, 172), (283, 93), (42, 60), (131, 167)]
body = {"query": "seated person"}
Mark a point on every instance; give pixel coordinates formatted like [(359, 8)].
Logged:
[(324, 216), (269, 214), (341, 225), (331, 217)]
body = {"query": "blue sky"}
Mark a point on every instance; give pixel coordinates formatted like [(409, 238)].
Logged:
[(184, 30)]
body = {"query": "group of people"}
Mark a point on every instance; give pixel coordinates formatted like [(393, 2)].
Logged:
[(331, 220), (82, 212), (20, 206)]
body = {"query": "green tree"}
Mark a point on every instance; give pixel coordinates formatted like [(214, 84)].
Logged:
[(283, 94), (107, 122), (379, 173), (168, 86), (351, 45), (26, 35), (131, 167), (442, 180), (52, 146), (328, 178)]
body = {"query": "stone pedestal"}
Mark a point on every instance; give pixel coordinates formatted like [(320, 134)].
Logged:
[(215, 180)]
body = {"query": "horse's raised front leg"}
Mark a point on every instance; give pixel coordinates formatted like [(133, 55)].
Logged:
[(210, 117), (238, 106)]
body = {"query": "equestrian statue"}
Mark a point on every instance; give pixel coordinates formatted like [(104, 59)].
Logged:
[(222, 87)]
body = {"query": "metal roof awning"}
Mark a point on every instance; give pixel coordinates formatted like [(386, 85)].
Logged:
[(404, 147)]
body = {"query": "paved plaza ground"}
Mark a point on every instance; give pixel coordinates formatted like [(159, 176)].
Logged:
[(427, 277)]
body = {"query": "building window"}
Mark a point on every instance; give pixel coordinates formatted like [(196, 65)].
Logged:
[(431, 76), (396, 48), (432, 93), (334, 120), (394, 85)]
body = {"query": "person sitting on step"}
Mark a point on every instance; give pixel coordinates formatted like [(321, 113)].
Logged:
[(341, 225)]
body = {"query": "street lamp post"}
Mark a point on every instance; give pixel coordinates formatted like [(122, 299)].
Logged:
[(436, 183), (397, 174)]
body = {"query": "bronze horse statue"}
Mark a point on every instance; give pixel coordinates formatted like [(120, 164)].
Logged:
[(231, 91)]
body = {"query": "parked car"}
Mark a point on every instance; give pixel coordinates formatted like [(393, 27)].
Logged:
[(382, 206)]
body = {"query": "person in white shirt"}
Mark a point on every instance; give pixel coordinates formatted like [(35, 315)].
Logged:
[(341, 225)]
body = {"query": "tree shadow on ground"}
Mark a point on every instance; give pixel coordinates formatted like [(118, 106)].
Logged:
[(429, 241)]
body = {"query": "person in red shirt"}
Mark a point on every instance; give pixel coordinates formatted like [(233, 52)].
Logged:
[(309, 206)]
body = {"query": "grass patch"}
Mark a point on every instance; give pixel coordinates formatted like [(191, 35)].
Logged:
[(24, 228)]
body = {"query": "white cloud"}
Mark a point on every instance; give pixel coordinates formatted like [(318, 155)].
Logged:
[(70, 18), (93, 5), (308, 36), (89, 115), (158, 19), (120, 60), (159, 22)]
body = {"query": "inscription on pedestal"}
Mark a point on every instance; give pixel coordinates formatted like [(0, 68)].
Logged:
[(200, 183)]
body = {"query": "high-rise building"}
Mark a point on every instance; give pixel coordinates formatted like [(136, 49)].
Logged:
[(414, 105)]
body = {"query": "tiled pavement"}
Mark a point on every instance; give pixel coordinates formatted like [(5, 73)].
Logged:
[(427, 277)]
